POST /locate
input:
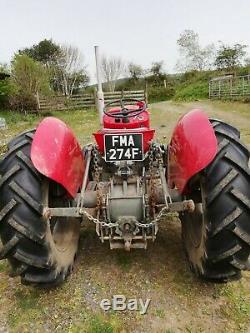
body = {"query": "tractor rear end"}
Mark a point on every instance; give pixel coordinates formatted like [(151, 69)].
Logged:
[(126, 184)]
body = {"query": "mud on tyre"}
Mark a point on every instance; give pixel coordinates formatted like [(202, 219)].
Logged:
[(217, 243), (40, 251)]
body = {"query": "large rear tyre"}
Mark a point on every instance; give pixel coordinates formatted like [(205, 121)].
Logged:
[(40, 250), (216, 237)]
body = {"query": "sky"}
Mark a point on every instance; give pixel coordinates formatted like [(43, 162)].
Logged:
[(139, 31)]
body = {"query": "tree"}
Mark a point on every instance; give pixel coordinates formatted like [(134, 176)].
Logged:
[(5, 87), (230, 57), (112, 69), (64, 64), (247, 62), (157, 69), (157, 74), (135, 71), (4, 68), (46, 51), (28, 78), (192, 55), (69, 70)]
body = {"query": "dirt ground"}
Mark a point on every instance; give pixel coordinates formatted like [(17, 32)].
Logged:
[(179, 301)]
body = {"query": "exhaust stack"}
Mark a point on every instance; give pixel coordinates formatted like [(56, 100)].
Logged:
[(100, 95)]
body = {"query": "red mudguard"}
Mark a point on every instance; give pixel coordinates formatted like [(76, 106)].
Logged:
[(57, 155), (193, 146)]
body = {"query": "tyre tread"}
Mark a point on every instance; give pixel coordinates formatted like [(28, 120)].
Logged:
[(26, 197), (228, 229), (24, 240), (8, 247), (31, 260)]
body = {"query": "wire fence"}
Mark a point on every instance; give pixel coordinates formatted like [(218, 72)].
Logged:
[(229, 87)]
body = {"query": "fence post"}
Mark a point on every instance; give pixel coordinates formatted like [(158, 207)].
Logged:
[(243, 86), (146, 92), (96, 99), (99, 94), (38, 101), (231, 87)]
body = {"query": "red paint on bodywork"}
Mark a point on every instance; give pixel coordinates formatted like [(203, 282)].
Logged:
[(57, 155), (136, 124), (141, 120), (193, 146), (147, 135)]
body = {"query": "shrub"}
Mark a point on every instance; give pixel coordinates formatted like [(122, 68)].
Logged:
[(192, 92), (158, 94), (23, 102), (5, 90), (130, 84), (28, 77)]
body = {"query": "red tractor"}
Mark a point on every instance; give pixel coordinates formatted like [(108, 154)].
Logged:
[(126, 184)]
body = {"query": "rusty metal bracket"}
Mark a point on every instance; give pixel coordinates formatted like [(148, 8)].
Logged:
[(48, 213), (186, 205)]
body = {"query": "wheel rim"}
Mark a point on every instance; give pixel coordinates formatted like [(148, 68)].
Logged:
[(194, 231), (196, 227), (62, 233)]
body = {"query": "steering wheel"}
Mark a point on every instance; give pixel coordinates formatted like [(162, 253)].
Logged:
[(124, 112)]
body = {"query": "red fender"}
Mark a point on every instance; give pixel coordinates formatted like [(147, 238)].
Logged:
[(193, 146), (57, 155)]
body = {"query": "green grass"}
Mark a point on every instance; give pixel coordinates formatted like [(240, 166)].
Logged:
[(238, 304), (3, 265), (192, 92), (27, 307), (123, 260), (160, 313), (83, 123), (97, 324)]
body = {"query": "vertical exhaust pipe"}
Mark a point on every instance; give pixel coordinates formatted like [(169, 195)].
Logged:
[(100, 95)]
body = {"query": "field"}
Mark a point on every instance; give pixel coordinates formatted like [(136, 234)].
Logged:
[(179, 301)]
